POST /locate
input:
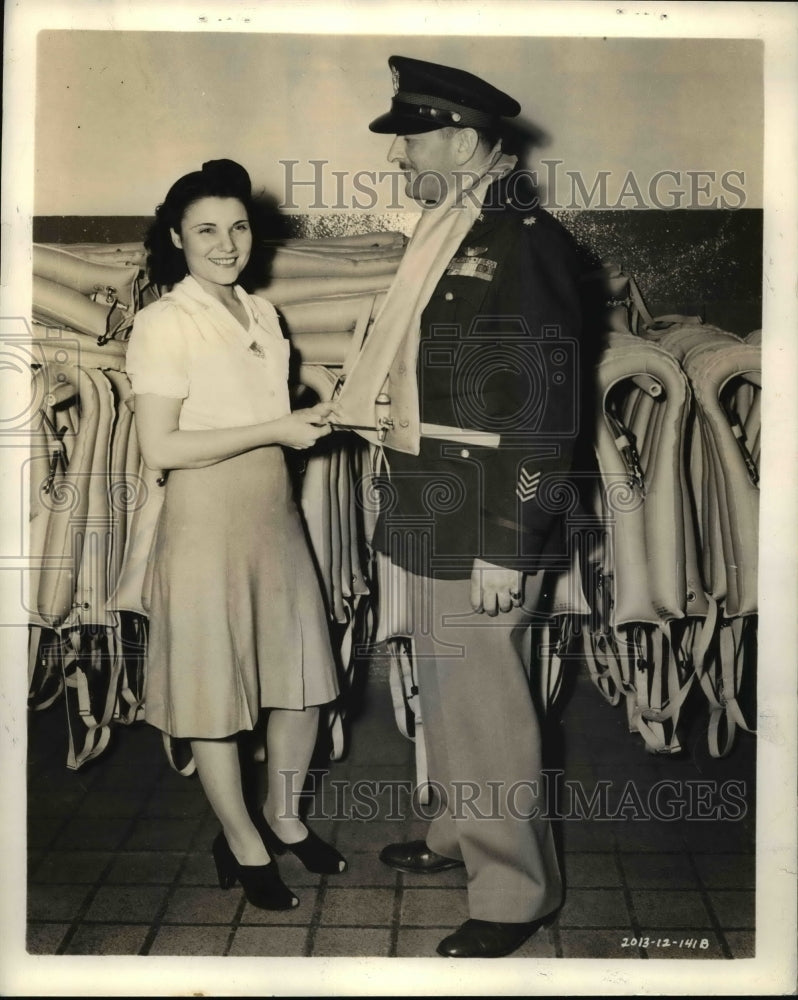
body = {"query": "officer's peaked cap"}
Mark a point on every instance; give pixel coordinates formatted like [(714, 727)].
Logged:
[(429, 96)]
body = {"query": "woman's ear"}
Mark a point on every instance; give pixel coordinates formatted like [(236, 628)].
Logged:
[(176, 239)]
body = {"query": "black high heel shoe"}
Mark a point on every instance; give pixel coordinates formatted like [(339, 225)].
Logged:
[(314, 853), (262, 884)]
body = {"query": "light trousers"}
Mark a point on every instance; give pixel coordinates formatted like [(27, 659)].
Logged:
[(482, 738)]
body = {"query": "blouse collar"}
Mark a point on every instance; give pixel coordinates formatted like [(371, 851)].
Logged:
[(190, 291), (194, 298)]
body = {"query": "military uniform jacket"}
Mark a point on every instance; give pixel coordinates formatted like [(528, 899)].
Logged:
[(498, 352)]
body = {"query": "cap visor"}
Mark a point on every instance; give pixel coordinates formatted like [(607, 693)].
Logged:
[(394, 124)]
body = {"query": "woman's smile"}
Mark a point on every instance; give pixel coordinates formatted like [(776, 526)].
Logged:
[(216, 239)]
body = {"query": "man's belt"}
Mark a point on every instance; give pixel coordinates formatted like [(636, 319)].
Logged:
[(458, 435)]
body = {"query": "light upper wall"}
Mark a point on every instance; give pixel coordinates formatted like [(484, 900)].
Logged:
[(121, 114)]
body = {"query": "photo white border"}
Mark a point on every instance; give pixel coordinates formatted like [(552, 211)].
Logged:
[(773, 971)]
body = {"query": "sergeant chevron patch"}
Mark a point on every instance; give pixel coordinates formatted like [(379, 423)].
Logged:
[(527, 485)]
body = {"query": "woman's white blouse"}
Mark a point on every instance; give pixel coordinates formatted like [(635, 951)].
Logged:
[(188, 346)]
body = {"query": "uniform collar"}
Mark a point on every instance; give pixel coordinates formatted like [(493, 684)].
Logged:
[(513, 193)]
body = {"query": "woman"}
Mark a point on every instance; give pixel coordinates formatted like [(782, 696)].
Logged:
[(237, 622)]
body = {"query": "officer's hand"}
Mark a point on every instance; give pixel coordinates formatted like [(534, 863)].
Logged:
[(494, 588)]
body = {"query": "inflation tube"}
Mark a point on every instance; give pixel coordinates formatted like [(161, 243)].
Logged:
[(317, 316), (299, 263), (63, 306), (649, 535), (91, 584), (72, 348), (123, 481), (282, 291), (69, 507), (737, 496), (86, 276)]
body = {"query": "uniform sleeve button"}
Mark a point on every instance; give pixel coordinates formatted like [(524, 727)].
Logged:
[(404, 423), (464, 453), (401, 368), (449, 296)]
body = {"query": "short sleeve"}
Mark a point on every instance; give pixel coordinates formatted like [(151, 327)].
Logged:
[(156, 360)]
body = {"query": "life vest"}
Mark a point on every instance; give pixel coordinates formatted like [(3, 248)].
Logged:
[(639, 446), (95, 505), (713, 448), (105, 282)]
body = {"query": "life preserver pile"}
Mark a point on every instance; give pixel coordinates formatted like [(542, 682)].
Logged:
[(94, 504), (660, 599), (673, 560)]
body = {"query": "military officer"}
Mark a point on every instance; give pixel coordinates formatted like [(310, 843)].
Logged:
[(477, 349)]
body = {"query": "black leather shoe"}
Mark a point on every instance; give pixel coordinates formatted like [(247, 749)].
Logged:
[(262, 884), (316, 855), (417, 858), (487, 939)]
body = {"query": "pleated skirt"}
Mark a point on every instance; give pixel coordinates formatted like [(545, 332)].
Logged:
[(237, 618)]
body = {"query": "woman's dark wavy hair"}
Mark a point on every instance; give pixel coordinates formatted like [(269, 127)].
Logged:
[(166, 263)]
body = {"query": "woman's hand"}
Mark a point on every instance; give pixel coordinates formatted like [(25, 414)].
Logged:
[(165, 446), (303, 428)]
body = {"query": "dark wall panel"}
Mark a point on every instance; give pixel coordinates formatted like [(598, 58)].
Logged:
[(706, 263)]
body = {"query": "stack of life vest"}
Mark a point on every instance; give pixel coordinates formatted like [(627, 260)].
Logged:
[(662, 588), (672, 559), (94, 505)]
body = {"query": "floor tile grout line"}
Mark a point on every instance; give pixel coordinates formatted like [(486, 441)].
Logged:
[(433, 887), (78, 920), (706, 899), (315, 918), (91, 895), (595, 854), (627, 896), (234, 925), (74, 811), (556, 938), (51, 841), (338, 926), (396, 914), (648, 888), (157, 921)]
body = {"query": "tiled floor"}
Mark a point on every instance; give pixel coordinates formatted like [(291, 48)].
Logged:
[(119, 860)]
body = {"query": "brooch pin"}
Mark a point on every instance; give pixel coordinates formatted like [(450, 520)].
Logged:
[(474, 251), (257, 350)]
